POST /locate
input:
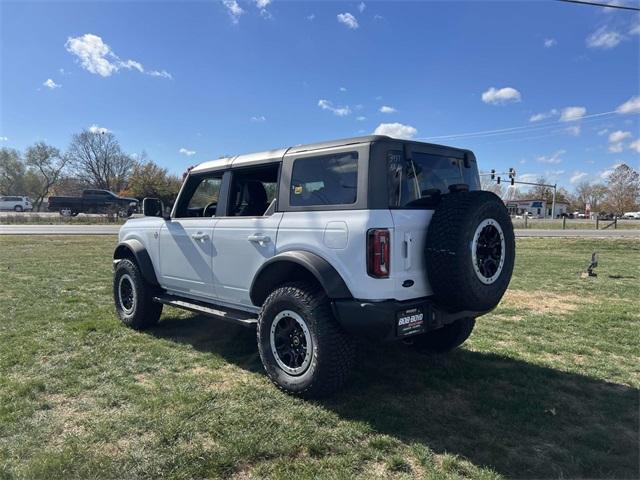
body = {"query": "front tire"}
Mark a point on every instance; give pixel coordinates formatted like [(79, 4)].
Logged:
[(18, 208), (133, 297), (303, 349), (445, 339)]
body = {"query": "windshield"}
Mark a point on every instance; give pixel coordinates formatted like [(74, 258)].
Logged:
[(424, 177)]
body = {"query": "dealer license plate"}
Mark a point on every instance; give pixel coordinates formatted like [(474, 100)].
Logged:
[(410, 321)]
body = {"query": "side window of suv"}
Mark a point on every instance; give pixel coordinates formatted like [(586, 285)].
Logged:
[(253, 191), (325, 180), (200, 197)]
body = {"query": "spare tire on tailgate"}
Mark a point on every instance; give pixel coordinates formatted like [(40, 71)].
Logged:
[(470, 251)]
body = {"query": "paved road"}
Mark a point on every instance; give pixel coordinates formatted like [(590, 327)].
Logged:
[(59, 229), (113, 230)]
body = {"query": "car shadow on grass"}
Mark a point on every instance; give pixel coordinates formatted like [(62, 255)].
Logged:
[(520, 419)]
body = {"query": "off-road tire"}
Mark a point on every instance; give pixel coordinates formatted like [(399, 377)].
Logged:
[(333, 350), (450, 242), (144, 312), (446, 338)]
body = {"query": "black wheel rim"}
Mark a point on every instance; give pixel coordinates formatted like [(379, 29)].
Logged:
[(126, 294), (488, 251), (291, 342)]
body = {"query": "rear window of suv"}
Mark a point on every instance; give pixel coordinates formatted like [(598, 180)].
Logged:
[(324, 180), (424, 176)]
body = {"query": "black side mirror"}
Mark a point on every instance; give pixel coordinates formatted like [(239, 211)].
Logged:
[(152, 207)]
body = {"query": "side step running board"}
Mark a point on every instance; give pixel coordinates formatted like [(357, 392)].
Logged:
[(236, 316)]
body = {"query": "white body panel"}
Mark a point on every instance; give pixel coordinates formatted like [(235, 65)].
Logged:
[(241, 246), (186, 256), (340, 237), (408, 245)]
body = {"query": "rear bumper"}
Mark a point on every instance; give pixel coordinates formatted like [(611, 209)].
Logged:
[(391, 319)]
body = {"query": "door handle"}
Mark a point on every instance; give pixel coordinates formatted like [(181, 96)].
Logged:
[(200, 237), (259, 238)]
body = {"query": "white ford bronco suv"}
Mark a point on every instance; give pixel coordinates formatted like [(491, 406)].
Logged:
[(317, 244)]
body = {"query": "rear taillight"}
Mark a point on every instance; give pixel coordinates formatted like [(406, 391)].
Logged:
[(378, 253)]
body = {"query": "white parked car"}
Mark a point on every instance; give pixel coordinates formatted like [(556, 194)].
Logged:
[(15, 203), (317, 244), (631, 216)]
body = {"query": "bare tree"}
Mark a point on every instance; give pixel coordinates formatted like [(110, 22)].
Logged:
[(47, 164), (540, 192), (583, 195), (99, 161), (490, 185), (623, 189), (12, 172)]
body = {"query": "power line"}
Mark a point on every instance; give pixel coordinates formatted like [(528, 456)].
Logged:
[(604, 5), (519, 129)]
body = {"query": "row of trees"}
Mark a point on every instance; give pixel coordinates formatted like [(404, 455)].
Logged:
[(92, 160), (617, 194)]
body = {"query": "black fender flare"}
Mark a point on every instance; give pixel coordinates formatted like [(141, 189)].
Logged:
[(134, 248), (272, 271)]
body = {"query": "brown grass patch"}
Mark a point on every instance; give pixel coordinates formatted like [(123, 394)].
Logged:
[(544, 303)]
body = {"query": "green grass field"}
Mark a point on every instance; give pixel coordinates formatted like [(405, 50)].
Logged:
[(547, 386)]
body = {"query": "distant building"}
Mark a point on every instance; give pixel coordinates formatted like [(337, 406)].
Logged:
[(537, 208)]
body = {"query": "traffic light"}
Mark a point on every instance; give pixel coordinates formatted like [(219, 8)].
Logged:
[(498, 181), (493, 174)]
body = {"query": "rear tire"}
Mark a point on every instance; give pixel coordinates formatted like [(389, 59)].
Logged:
[(133, 297), (303, 349), (446, 338), (18, 208)]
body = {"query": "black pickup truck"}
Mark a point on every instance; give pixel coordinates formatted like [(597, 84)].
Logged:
[(94, 201)]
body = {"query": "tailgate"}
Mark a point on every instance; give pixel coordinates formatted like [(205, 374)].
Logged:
[(408, 266)]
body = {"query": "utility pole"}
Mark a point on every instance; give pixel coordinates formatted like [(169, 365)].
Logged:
[(553, 203)]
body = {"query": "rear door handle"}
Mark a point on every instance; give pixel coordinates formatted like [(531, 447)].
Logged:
[(259, 238), (200, 237)]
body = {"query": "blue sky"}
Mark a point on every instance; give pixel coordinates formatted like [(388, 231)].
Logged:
[(552, 87)]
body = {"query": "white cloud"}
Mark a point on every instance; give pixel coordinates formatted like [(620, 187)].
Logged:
[(160, 73), (263, 3), (616, 147), (570, 114), (96, 129), (573, 130), (339, 111), (361, 118), (396, 130), (343, 89), (234, 9), (361, 7), (4, 139), (604, 131), (618, 136), (577, 176), (554, 158), (348, 20), (604, 39), (635, 145), (604, 174), (187, 152), (635, 30), (259, 118), (630, 106), (501, 96), (311, 17), (543, 115), (387, 109), (378, 17), (97, 57), (51, 84), (550, 42)]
